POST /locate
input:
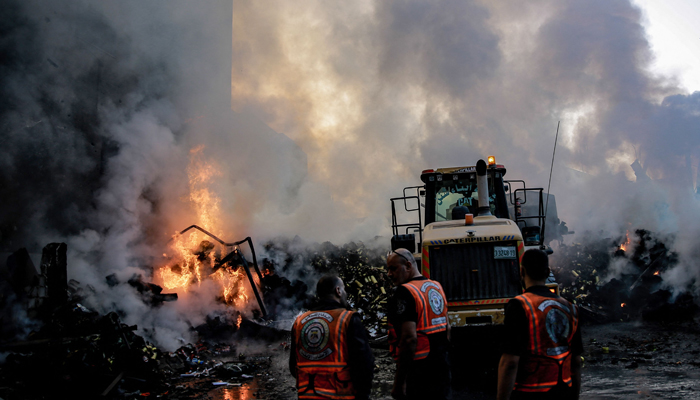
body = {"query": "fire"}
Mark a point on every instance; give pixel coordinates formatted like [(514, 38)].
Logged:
[(625, 245), (206, 203), (192, 257), (657, 273), (231, 281), (623, 304)]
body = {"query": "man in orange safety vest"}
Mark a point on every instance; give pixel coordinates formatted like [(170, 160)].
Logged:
[(419, 331), (542, 351), (330, 355)]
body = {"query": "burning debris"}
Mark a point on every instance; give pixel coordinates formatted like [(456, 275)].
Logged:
[(71, 346), (77, 351), (195, 260), (622, 280)]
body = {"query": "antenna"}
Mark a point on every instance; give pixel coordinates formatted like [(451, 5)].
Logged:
[(550, 180)]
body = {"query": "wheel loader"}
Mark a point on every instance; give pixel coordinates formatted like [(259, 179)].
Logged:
[(468, 228)]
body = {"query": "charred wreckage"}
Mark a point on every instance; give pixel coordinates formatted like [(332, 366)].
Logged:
[(47, 332), (75, 350)]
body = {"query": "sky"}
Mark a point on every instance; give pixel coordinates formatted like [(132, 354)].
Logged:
[(674, 36), (126, 121)]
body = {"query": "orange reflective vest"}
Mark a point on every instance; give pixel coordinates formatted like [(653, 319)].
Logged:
[(431, 308), (322, 354), (552, 323)]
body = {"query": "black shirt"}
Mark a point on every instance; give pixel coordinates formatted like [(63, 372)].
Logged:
[(360, 357), (517, 326)]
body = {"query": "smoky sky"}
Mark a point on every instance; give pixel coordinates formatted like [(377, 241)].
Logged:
[(315, 113), (375, 92)]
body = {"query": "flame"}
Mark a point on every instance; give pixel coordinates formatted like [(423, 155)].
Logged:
[(206, 203), (657, 273), (623, 304), (624, 246), (232, 282), (192, 255)]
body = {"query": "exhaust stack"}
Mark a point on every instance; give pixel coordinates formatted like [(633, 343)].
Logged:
[(482, 185)]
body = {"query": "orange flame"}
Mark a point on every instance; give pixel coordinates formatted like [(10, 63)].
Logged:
[(193, 256), (624, 246), (623, 304), (657, 273), (206, 203)]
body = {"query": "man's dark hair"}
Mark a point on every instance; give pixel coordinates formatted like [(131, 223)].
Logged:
[(326, 285), (536, 264)]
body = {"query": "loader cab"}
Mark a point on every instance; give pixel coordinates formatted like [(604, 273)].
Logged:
[(448, 188), (448, 193)]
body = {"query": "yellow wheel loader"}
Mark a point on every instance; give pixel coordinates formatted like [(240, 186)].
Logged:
[(470, 235)]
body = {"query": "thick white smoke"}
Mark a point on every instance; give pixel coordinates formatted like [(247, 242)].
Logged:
[(336, 107)]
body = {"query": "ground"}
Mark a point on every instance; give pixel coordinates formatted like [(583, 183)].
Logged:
[(644, 360), (625, 360)]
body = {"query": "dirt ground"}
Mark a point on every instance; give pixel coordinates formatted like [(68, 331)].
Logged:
[(626, 360), (642, 360)]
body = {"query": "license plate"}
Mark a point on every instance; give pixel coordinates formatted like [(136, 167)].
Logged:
[(501, 253)]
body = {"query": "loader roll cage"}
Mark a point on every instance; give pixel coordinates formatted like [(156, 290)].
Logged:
[(529, 223), (409, 229)]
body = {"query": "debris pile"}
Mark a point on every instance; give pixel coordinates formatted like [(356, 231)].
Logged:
[(620, 280), (73, 350), (83, 353), (362, 268)]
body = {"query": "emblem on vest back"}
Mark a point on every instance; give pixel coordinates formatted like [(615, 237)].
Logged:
[(436, 303), (557, 325), (315, 335), (428, 285)]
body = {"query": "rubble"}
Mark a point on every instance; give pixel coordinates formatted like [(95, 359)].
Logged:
[(150, 292), (622, 279), (361, 268), (87, 355), (54, 270), (99, 354), (77, 352)]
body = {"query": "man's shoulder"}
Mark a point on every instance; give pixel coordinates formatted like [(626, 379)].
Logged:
[(416, 279), (401, 291), (355, 323), (542, 291), (327, 313), (514, 304)]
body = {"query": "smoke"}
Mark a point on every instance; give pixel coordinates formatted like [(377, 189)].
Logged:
[(375, 92), (336, 107)]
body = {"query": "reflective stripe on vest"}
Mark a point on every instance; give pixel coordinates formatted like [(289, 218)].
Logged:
[(552, 323), (322, 354), (431, 309)]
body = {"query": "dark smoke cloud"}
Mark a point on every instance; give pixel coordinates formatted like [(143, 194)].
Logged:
[(101, 105)]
